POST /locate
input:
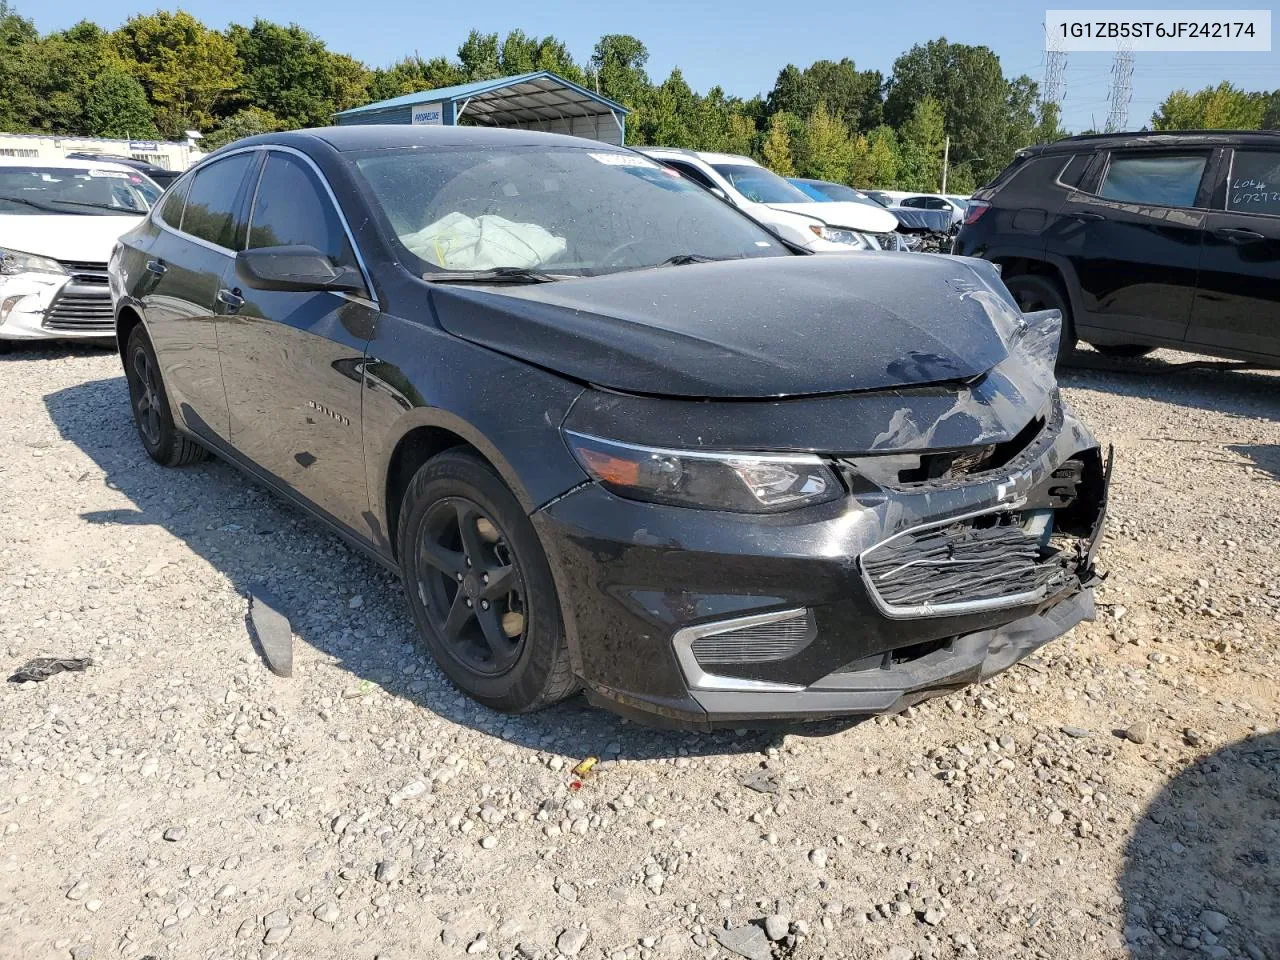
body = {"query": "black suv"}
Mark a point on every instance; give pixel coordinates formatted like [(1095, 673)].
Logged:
[(1143, 240)]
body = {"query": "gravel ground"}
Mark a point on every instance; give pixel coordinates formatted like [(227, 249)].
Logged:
[(1118, 796)]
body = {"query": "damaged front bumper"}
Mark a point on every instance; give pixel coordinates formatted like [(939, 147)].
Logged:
[(699, 619)]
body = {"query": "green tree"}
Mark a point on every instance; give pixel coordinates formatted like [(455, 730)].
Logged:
[(1224, 107), (478, 56), (618, 62), (825, 151), (290, 73), (922, 142), (18, 38), (116, 106), (775, 152), (188, 70), (987, 116), (411, 75), (850, 95), (1049, 126), (1271, 113), (248, 122), (520, 53), (882, 158), (665, 114)]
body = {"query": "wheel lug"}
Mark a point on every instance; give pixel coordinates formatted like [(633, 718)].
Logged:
[(468, 602), (459, 576), (484, 578), (468, 561), (484, 604)]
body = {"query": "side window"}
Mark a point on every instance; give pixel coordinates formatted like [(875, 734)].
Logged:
[(936, 203), (212, 200), (1074, 169), (170, 211), (692, 172), (1162, 180), (291, 208), (1255, 182)]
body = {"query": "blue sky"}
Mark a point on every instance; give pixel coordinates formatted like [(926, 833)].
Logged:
[(740, 45)]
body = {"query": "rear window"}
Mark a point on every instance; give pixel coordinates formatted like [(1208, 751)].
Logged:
[(1166, 180), (1255, 182)]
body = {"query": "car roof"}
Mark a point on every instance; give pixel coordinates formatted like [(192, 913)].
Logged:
[(1153, 138), (64, 164), (704, 155), (375, 136)]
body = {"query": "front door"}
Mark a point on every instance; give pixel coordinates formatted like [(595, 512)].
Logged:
[(1237, 305), (185, 265), (1133, 239), (293, 362)]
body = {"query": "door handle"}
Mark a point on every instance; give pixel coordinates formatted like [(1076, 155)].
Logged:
[(1238, 235), (157, 267), (1086, 215), (230, 299)]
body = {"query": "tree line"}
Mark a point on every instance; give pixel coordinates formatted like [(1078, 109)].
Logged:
[(159, 75)]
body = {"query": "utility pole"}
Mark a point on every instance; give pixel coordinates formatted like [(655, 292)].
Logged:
[(946, 158), (1121, 90)]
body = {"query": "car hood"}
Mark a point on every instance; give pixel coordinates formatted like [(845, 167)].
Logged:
[(843, 213), (87, 239), (769, 327)]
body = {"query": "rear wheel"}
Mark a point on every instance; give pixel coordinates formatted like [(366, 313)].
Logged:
[(164, 443), (479, 586), (1034, 291), (1126, 350)]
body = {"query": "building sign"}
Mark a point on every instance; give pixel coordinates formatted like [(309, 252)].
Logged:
[(145, 146), (428, 114)]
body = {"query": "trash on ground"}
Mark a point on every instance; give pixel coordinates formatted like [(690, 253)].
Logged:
[(273, 632), (762, 782), (583, 770), (42, 668)]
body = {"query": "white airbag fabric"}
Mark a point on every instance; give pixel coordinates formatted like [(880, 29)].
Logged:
[(459, 242)]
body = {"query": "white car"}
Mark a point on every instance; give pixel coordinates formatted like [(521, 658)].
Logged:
[(59, 220), (836, 227)]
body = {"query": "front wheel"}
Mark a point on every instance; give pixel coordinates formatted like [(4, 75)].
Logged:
[(480, 588), (1127, 351), (160, 437), (1033, 291)]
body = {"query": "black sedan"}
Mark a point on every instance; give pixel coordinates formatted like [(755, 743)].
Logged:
[(613, 434)]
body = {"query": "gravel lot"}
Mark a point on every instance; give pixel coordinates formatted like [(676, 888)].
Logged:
[(1117, 796)]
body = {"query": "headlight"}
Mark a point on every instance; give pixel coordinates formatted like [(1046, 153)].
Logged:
[(836, 235), (742, 483), (15, 261)]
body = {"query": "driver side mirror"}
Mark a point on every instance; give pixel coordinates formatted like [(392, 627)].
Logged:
[(295, 268)]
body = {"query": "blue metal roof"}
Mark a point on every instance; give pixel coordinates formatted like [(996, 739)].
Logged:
[(466, 91)]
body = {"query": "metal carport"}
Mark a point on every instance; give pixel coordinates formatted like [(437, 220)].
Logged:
[(534, 101)]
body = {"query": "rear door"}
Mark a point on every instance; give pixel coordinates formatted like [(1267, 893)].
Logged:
[(1237, 305), (293, 361), (1131, 233), (184, 268)]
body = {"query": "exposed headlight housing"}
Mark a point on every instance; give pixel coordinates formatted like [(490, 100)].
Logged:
[(739, 483), (838, 235), (13, 262)]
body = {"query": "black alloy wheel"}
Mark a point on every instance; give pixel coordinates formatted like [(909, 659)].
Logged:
[(480, 587), (471, 586), (160, 437)]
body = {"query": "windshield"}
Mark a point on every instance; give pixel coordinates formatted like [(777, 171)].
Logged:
[(760, 185), (961, 202), (564, 211), (838, 191), (881, 198), (95, 191)]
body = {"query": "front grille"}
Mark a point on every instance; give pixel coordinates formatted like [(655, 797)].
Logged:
[(81, 313), (90, 267), (981, 562), (763, 642)]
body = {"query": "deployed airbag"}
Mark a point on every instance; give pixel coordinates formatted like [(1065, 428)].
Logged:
[(459, 242)]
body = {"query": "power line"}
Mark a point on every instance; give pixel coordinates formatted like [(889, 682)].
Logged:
[(1054, 87), (1121, 90)]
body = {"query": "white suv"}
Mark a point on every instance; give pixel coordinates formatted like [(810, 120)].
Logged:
[(59, 220), (836, 227)]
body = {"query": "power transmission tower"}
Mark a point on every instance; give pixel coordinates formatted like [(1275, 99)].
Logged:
[(1121, 90), (1054, 87)]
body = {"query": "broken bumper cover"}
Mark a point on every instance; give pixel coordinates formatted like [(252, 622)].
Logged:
[(698, 619)]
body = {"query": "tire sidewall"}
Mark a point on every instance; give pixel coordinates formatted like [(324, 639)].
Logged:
[(460, 474), (163, 450), (1051, 292)]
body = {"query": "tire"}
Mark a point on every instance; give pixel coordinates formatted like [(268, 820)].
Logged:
[(512, 657), (163, 441), (1128, 351), (1034, 291)]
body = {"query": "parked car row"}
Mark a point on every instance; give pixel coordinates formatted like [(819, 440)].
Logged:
[(613, 433)]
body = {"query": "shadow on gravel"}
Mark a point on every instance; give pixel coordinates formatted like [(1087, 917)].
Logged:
[(1245, 393), (1265, 456), (253, 537), (53, 349), (1202, 869)]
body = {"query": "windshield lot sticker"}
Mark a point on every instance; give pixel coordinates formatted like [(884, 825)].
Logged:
[(621, 160)]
